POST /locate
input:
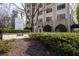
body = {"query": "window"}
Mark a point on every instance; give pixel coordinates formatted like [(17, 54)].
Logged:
[(48, 18), (48, 3), (61, 16), (49, 10), (33, 4), (62, 6)]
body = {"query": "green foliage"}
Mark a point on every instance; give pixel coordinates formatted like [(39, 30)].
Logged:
[(65, 44), (4, 47), (16, 31), (27, 28)]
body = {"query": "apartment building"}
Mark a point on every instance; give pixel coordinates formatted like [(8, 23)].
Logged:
[(56, 17), (52, 17)]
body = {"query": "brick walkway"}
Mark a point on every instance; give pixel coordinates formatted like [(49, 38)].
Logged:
[(27, 47)]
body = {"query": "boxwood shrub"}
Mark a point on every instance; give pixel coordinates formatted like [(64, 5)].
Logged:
[(5, 47), (15, 31), (61, 44)]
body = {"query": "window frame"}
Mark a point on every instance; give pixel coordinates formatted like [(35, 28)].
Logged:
[(48, 3), (48, 18), (61, 16), (61, 6), (49, 10)]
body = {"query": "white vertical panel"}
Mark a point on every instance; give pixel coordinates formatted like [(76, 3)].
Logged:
[(19, 24)]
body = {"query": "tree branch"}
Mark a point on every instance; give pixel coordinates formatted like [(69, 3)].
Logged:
[(18, 6), (36, 11)]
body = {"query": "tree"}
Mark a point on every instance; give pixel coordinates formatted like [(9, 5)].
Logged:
[(3, 14), (77, 12), (33, 11)]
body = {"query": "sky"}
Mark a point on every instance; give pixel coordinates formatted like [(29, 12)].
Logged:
[(8, 11), (14, 7)]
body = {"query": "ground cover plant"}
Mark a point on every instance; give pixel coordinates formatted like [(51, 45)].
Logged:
[(61, 44)]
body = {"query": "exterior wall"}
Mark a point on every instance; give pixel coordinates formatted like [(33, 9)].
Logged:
[(67, 22), (10, 36), (69, 11), (44, 15)]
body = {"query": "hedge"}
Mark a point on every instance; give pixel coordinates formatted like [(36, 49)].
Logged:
[(16, 31), (61, 44), (5, 47)]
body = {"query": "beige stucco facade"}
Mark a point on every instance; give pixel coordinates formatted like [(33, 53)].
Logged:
[(69, 19), (40, 19)]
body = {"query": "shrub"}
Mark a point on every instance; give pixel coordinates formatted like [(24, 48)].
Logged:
[(65, 44), (29, 28), (4, 47), (16, 31)]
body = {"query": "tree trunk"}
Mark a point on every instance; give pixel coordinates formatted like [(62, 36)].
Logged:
[(1, 34), (32, 24), (32, 17)]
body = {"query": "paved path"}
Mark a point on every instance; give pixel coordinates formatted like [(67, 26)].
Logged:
[(27, 47)]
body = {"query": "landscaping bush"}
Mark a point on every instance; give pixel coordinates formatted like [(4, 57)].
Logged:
[(28, 28), (16, 31), (65, 44), (4, 47)]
